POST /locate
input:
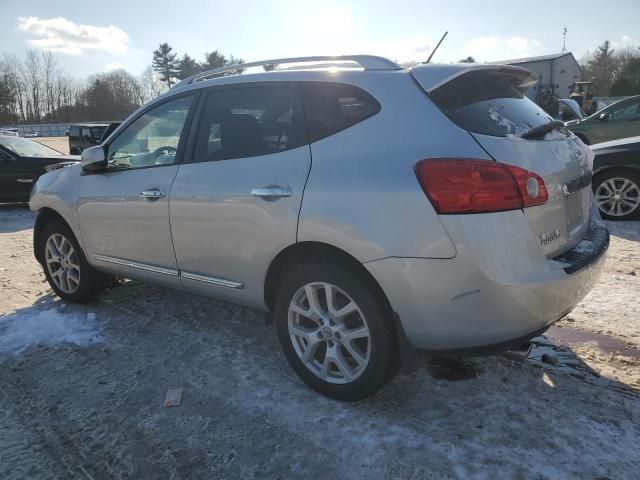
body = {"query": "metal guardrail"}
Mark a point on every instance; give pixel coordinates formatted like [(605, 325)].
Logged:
[(41, 129), (45, 129)]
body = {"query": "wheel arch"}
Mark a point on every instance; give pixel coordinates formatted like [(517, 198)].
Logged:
[(308, 252), (582, 137), (45, 215), (608, 168)]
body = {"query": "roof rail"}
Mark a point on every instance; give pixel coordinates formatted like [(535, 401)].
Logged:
[(368, 62)]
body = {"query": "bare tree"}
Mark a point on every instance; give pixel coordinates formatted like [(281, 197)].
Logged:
[(49, 67), (12, 74), (151, 84), (111, 96), (32, 74)]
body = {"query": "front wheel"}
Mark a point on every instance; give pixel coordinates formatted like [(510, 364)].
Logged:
[(335, 333), (66, 267), (617, 194)]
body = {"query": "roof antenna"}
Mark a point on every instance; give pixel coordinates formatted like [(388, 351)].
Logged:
[(434, 50), (564, 40)]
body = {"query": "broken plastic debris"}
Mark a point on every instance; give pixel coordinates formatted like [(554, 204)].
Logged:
[(173, 398)]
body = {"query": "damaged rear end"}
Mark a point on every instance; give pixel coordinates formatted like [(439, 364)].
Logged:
[(530, 241), (551, 168)]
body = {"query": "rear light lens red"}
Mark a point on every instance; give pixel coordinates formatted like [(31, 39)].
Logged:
[(466, 185)]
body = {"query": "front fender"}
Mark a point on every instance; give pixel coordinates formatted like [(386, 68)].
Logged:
[(56, 193)]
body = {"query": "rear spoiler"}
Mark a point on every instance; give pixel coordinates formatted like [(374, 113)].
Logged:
[(431, 77)]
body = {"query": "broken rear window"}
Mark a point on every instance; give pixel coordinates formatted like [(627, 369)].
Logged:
[(491, 102)]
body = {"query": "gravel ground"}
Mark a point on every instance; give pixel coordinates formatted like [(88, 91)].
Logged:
[(57, 143), (82, 387)]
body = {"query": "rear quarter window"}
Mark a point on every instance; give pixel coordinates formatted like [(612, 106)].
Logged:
[(332, 107), (491, 102)]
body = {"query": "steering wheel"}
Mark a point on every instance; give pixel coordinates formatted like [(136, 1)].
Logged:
[(162, 151)]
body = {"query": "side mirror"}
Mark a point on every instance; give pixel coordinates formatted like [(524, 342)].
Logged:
[(93, 159), (603, 117)]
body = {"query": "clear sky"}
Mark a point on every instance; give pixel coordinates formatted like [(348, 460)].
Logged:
[(89, 36)]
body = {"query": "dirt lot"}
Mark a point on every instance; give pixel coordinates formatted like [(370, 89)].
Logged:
[(82, 387), (57, 143)]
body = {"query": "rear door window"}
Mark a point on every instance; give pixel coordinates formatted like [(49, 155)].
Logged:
[(247, 121), (332, 107), (491, 102)]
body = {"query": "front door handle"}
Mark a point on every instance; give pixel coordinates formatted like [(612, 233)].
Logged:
[(152, 194), (271, 192)]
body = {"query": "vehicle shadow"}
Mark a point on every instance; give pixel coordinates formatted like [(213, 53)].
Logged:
[(629, 230), (15, 217), (244, 410)]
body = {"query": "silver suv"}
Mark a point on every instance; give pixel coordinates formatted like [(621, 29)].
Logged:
[(371, 209)]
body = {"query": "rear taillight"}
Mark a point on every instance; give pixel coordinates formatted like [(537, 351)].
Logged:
[(465, 185)]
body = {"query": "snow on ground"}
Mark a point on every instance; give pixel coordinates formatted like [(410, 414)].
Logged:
[(28, 327), (94, 410)]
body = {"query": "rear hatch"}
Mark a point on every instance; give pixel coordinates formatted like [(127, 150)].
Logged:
[(489, 103)]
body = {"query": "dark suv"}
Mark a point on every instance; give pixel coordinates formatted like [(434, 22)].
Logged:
[(83, 136)]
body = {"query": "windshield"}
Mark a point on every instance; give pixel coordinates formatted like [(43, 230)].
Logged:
[(27, 148)]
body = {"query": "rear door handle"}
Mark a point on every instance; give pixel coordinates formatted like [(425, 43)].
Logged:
[(152, 194), (271, 192)]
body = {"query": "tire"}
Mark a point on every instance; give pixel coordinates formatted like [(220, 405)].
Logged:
[(78, 281), (363, 365), (617, 194)]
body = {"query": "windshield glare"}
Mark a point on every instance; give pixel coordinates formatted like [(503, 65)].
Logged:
[(27, 148)]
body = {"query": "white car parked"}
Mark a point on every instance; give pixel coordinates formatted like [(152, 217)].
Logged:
[(368, 207)]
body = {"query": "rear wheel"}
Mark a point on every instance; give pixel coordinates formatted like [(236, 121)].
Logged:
[(617, 194), (334, 332), (66, 267)]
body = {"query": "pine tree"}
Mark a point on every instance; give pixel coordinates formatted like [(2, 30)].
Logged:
[(214, 60), (187, 67), (165, 63)]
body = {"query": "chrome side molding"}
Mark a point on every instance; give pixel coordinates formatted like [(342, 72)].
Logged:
[(140, 266), (221, 282)]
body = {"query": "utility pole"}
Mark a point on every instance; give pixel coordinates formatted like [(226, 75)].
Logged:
[(564, 40)]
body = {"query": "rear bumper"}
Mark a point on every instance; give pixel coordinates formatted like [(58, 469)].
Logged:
[(498, 289)]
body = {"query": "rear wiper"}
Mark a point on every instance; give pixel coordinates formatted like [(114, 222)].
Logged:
[(542, 130)]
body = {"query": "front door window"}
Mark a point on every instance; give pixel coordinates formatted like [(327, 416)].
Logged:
[(152, 139)]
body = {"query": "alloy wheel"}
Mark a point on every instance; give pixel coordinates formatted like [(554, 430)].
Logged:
[(329, 333), (62, 263), (618, 196)]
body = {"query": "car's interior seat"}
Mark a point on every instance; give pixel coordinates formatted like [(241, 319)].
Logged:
[(240, 136)]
